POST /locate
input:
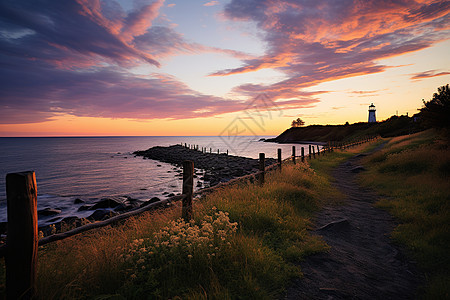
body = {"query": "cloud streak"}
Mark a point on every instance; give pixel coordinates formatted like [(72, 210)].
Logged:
[(428, 74), (318, 41), (71, 57), (74, 56)]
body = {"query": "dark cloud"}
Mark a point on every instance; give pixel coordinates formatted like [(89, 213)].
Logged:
[(317, 41), (38, 92), (428, 74), (70, 57)]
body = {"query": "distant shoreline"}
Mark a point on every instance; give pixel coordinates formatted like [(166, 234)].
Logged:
[(295, 142)]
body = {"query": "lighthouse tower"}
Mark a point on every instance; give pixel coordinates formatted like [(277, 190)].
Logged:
[(372, 110)]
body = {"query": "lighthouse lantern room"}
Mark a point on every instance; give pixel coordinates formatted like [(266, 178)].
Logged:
[(372, 118)]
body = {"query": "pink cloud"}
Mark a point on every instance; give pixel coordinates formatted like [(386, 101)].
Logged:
[(140, 20), (211, 3)]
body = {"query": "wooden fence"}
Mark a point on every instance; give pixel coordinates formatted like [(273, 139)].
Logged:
[(22, 241)]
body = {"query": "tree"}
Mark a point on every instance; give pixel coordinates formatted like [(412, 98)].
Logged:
[(436, 112), (297, 123)]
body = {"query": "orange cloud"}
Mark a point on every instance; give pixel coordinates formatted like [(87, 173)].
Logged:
[(319, 41)]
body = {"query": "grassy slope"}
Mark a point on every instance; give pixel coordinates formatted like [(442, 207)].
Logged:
[(394, 126), (155, 256), (129, 260), (412, 172)]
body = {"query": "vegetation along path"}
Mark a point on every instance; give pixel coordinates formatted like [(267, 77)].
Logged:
[(362, 262)]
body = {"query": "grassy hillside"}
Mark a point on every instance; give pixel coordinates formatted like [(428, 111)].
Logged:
[(245, 242), (413, 173), (394, 126)]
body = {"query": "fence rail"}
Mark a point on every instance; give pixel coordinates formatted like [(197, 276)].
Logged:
[(20, 250)]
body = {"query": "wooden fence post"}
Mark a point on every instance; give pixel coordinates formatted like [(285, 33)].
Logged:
[(262, 168), (22, 238), (279, 158), (188, 189), (314, 152), (303, 154), (318, 150), (309, 151), (293, 154)]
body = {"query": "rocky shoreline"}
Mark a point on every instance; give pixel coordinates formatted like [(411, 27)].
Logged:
[(210, 169), (216, 168)]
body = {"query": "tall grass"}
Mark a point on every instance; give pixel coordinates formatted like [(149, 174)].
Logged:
[(245, 242), (412, 172)]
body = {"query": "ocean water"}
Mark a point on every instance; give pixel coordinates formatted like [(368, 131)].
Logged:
[(91, 168)]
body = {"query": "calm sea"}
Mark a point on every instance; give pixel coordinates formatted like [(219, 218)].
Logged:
[(90, 168)]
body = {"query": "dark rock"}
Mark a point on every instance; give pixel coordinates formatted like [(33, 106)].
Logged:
[(84, 207), (357, 169), (3, 227), (132, 199), (122, 207), (48, 212), (171, 195), (165, 193), (102, 214), (78, 201), (71, 219), (152, 200), (54, 220), (214, 168), (106, 203), (338, 225)]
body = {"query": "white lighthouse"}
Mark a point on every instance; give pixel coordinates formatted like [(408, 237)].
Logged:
[(372, 118)]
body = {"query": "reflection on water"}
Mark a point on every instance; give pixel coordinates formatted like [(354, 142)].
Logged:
[(90, 168)]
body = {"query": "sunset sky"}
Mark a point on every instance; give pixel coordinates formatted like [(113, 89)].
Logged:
[(188, 67)]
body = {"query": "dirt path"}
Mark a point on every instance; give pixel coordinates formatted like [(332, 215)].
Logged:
[(362, 263)]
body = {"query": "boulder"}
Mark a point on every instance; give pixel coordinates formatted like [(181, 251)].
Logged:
[(152, 200), (84, 207), (357, 169), (102, 214), (106, 203), (78, 201), (48, 212)]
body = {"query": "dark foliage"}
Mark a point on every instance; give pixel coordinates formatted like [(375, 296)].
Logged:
[(436, 112), (297, 123)]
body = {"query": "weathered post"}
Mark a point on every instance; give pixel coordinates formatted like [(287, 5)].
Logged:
[(210, 150), (217, 151), (318, 150), (314, 152), (22, 238), (227, 151), (262, 168), (303, 154), (188, 189), (279, 158), (309, 151), (293, 154)]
